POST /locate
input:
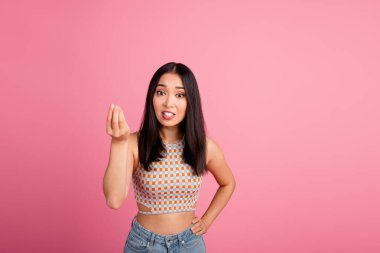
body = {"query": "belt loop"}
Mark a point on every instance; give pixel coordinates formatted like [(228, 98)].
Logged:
[(151, 240)]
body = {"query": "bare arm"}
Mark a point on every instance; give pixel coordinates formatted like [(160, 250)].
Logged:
[(117, 177), (218, 166)]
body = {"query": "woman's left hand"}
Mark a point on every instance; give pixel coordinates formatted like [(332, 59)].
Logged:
[(200, 226)]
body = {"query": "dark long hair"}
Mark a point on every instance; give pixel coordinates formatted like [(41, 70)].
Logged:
[(193, 125)]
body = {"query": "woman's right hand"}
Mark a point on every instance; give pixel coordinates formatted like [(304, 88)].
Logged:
[(117, 126)]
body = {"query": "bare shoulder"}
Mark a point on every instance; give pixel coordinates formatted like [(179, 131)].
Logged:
[(213, 151), (217, 164), (134, 137), (134, 146)]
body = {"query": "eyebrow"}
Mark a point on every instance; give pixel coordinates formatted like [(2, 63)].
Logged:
[(164, 85)]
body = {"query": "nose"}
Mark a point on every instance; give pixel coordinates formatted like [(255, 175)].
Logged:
[(169, 102)]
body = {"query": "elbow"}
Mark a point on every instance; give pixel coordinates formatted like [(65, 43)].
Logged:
[(114, 203), (232, 185)]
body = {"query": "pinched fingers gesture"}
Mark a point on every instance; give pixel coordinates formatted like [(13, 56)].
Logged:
[(117, 126)]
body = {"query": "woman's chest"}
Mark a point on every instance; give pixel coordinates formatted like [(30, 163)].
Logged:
[(170, 176)]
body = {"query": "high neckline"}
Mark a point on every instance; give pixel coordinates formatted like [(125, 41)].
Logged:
[(177, 141)]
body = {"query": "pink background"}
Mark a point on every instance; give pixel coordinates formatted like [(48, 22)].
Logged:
[(290, 91)]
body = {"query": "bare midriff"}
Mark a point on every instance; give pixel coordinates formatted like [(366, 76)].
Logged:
[(166, 224)]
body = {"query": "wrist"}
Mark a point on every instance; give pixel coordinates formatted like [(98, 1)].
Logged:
[(206, 220), (119, 141)]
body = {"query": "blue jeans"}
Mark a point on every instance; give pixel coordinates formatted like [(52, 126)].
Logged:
[(141, 239)]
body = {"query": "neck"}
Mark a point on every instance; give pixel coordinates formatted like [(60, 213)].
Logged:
[(170, 135)]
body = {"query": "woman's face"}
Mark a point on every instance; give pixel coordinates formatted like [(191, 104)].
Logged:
[(170, 97)]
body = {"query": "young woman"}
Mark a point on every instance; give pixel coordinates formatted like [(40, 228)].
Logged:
[(166, 160)]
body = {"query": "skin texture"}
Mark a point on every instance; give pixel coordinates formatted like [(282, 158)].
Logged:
[(168, 97)]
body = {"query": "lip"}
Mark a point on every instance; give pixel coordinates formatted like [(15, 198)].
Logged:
[(167, 117), (168, 111)]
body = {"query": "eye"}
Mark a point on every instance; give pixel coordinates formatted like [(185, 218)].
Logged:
[(181, 95), (159, 92)]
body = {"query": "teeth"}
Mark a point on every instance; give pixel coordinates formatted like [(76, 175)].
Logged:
[(168, 114)]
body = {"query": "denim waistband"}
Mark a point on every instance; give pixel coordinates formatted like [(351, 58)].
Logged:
[(160, 238)]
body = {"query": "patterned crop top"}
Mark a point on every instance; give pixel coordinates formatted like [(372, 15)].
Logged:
[(170, 186)]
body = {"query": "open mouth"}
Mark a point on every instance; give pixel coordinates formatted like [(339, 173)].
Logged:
[(168, 115)]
